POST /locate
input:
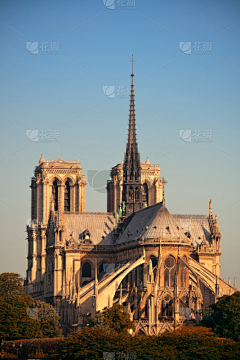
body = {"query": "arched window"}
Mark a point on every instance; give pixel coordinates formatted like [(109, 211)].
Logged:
[(86, 270), (169, 272), (55, 195), (131, 193), (136, 193), (154, 265), (145, 193), (102, 267), (170, 262), (167, 306), (67, 197)]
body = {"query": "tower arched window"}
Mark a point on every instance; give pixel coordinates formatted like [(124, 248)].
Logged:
[(136, 193), (131, 193), (145, 193), (86, 270), (55, 195), (67, 197)]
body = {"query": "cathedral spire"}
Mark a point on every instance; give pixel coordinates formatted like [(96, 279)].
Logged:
[(132, 194)]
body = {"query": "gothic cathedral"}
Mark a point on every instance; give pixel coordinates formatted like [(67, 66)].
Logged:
[(158, 265)]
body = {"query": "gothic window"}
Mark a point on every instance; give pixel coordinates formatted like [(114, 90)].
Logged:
[(169, 272), (86, 270), (170, 262), (55, 195), (67, 197), (136, 193), (154, 265), (167, 306), (145, 193), (131, 193)]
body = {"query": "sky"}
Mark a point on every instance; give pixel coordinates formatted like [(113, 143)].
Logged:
[(65, 74)]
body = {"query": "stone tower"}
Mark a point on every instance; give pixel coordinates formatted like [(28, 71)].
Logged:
[(57, 186), (132, 192)]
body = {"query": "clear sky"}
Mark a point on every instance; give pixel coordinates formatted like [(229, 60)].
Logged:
[(84, 46)]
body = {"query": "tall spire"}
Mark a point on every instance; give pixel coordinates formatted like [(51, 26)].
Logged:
[(132, 194)]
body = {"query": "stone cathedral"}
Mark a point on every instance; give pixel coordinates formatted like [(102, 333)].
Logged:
[(160, 266)]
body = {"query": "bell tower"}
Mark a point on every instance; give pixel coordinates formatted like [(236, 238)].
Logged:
[(132, 192)]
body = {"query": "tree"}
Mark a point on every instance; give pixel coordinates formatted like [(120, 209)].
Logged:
[(22, 317), (14, 322), (48, 320), (224, 316), (113, 318)]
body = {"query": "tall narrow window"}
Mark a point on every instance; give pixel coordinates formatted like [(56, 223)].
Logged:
[(67, 197), (55, 195), (136, 194), (167, 306), (145, 193), (86, 270)]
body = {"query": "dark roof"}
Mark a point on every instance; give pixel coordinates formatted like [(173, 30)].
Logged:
[(98, 224), (153, 222)]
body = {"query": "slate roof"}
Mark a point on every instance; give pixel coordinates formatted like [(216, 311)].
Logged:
[(153, 222), (98, 224), (197, 225)]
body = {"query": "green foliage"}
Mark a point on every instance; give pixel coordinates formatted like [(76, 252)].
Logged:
[(32, 348), (114, 318), (14, 322), (224, 317), (21, 317), (190, 342)]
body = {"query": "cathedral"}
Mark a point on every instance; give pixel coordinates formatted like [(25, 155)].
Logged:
[(163, 268)]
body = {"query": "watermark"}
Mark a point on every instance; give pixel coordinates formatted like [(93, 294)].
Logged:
[(43, 135), (186, 313), (120, 4), (109, 268), (43, 48), (34, 222), (119, 355), (32, 313), (98, 180), (35, 313), (117, 92), (207, 313), (196, 135), (196, 48)]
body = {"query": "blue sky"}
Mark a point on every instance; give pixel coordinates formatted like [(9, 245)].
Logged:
[(175, 91)]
